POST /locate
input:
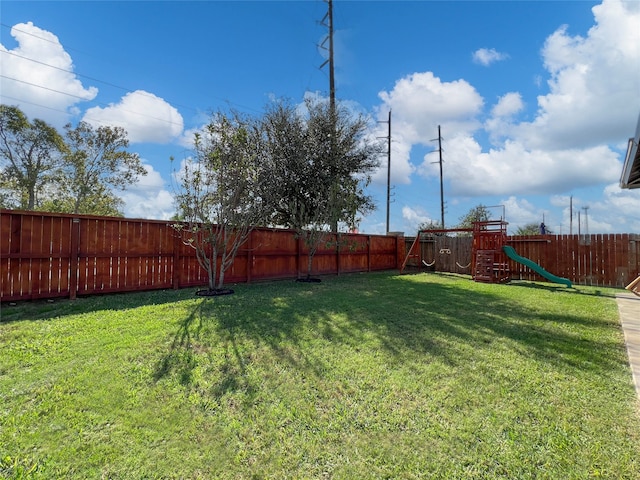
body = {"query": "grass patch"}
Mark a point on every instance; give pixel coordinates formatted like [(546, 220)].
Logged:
[(361, 376)]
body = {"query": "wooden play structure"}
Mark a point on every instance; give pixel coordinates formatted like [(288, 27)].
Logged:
[(490, 254), (634, 287), (488, 261)]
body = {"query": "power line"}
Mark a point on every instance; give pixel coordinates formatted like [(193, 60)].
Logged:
[(42, 38), (113, 85), (21, 100), (41, 86), (87, 77), (82, 98)]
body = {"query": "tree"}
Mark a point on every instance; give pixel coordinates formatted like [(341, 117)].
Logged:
[(431, 225), (296, 177), (31, 155), (100, 201), (528, 229), (340, 145), (479, 213), (321, 162), (223, 193), (531, 229), (96, 162)]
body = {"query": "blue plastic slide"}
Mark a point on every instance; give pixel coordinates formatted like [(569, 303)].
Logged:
[(511, 253)]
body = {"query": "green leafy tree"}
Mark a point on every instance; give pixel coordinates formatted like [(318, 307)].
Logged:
[(431, 225), (97, 162), (223, 193), (100, 201), (531, 229), (321, 162), (528, 229), (479, 213), (299, 203), (30, 156), (346, 155)]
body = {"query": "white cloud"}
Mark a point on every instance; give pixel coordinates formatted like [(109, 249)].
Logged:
[(571, 143), (145, 117), (487, 56), (148, 198), (413, 217), (519, 212), (187, 138), (618, 209), (401, 167), (500, 124), (508, 105), (41, 79), (594, 82), (419, 103), (512, 168)]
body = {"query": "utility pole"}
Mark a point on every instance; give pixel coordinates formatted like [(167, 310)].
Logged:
[(586, 220), (388, 137), (327, 21), (441, 176), (388, 168), (579, 223), (571, 215)]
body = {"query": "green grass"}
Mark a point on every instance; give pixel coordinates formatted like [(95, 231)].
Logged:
[(361, 376)]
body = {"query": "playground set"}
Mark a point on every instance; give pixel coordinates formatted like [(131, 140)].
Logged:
[(489, 254)]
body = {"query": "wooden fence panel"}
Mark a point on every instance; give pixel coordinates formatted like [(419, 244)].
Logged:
[(354, 253), (325, 259), (118, 255), (622, 265), (273, 254), (34, 256), (47, 255), (385, 252)]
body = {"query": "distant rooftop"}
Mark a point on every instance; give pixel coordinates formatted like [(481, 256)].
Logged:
[(631, 171)]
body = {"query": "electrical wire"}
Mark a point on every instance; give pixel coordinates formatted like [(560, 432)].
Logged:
[(82, 98), (94, 79)]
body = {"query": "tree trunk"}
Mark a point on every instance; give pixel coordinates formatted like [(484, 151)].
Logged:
[(221, 279), (309, 264)]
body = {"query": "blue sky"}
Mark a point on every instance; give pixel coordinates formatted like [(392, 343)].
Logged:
[(536, 100)]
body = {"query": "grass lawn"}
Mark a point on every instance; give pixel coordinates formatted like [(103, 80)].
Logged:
[(362, 376)]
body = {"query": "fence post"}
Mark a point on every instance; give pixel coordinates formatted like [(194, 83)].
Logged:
[(337, 234), (249, 255), (298, 254), (176, 268), (73, 263), (400, 249)]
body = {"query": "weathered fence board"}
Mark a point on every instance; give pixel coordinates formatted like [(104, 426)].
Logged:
[(45, 255)]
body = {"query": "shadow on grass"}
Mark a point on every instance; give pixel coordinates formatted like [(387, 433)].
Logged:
[(442, 318), (62, 307), (576, 289), (181, 356)]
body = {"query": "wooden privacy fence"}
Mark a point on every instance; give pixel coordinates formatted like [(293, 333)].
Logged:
[(600, 260), (45, 255)]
